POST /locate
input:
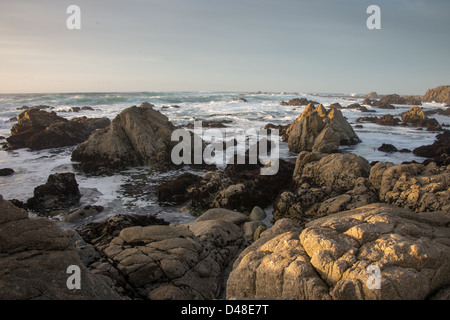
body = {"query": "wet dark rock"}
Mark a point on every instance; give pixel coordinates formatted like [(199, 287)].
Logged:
[(386, 147), (57, 195), (281, 128), (439, 151), (357, 106), (298, 102), (6, 172), (212, 124), (240, 187), (439, 111), (386, 120), (174, 191)]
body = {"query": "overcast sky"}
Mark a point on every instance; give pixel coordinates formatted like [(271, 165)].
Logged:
[(224, 45)]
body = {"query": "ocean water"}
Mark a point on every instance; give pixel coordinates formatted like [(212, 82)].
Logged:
[(133, 191)]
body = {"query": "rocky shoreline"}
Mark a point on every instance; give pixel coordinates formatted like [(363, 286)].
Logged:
[(334, 216)]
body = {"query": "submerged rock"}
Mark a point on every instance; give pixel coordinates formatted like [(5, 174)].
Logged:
[(319, 130), (335, 257), (6, 172)]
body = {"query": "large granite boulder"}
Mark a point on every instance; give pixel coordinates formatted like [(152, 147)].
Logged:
[(37, 129), (373, 252), (35, 255), (317, 129)]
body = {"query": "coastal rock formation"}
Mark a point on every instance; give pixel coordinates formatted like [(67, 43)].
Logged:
[(317, 129), (240, 187), (57, 195), (325, 184), (412, 186), (439, 94), (438, 152), (138, 136), (337, 257), (37, 130), (101, 233), (387, 147), (34, 257), (418, 118), (176, 262)]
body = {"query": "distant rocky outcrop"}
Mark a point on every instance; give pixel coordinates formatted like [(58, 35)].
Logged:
[(34, 258), (317, 129), (387, 101), (37, 129), (335, 257), (438, 94), (417, 117), (371, 95), (138, 136), (386, 120)]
